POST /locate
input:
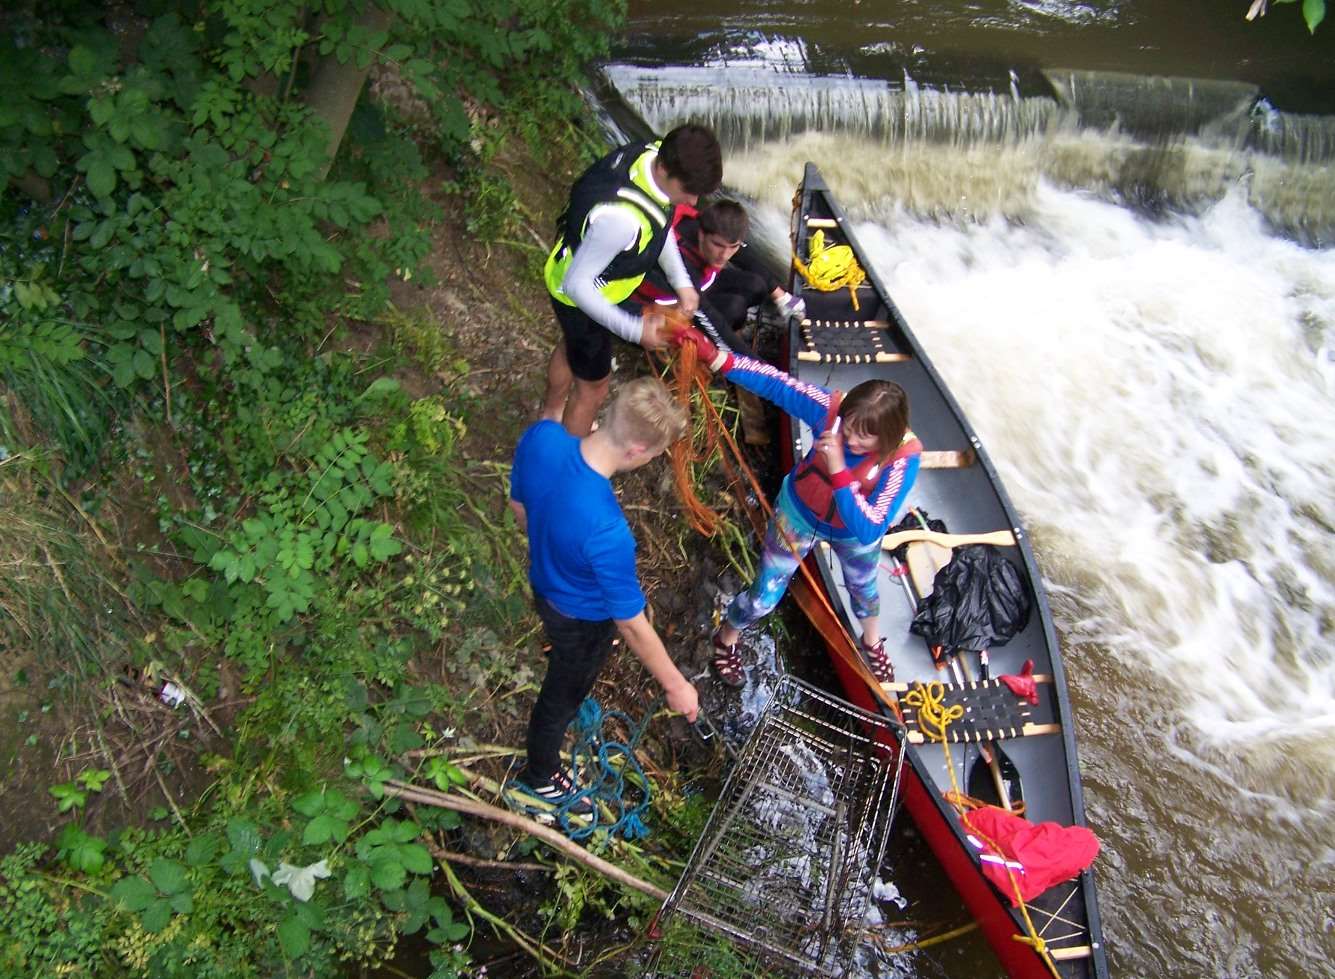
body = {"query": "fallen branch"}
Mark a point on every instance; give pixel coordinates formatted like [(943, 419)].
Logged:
[(478, 862), (549, 836), (545, 955)]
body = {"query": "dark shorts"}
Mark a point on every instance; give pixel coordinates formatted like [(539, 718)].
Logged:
[(588, 344)]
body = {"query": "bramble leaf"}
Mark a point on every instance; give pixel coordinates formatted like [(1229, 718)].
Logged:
[(134, 893)]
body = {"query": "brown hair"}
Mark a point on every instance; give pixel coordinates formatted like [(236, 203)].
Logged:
[(727, 219), (691, 154), (879, 408), (645, 413)]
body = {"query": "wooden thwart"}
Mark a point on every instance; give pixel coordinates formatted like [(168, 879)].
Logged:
[(996, 734), (1071, 952), (947, 459), (822, 223)]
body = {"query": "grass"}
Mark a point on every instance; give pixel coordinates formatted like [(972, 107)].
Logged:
[(56, 597), (67, 404)]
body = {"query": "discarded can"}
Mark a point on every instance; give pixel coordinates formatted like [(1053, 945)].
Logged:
[(163, 690)]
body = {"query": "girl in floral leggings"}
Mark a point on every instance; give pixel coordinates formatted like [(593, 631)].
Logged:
[(847, 491)]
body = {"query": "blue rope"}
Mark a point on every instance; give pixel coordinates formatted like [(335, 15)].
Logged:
[(611, 778)]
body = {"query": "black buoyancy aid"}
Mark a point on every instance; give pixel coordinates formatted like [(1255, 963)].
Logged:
[(811, 478), (655, 286), (606, 182)]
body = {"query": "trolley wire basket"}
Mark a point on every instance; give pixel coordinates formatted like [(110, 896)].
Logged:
[(780, 878)]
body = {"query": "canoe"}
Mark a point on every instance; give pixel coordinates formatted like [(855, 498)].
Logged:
[(957, 484)]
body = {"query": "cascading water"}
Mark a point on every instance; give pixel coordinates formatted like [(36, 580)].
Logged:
[(1158, 144), (1155, 384)]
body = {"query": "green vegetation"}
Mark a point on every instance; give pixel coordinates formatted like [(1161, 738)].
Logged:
[(227, 461)]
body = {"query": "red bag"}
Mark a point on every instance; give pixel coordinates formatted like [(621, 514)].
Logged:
[(1023, 686), (1038, 855)]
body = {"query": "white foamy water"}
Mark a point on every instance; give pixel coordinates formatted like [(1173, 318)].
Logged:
[(1158, 400)]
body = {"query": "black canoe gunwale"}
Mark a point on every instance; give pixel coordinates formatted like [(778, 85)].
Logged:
[(815, 199)]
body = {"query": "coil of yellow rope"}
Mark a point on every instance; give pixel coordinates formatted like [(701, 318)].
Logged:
[(831, 267), (933, 717)]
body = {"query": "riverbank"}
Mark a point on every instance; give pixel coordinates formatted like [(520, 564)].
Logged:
[(268, 567)]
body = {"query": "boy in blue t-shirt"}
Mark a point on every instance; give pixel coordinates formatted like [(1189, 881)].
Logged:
[(582, 563)]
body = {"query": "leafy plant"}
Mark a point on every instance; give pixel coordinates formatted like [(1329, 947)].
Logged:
[(80, 850), (74, 795), (165, 892), (177, 281), (329, 812), (1314, 12)]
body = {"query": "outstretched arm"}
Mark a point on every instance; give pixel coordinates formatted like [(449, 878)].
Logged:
[(809, 402), (648, 648)]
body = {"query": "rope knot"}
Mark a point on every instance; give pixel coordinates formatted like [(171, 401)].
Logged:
[(933, 716)]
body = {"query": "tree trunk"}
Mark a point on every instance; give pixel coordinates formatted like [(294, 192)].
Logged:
[(335, 87)]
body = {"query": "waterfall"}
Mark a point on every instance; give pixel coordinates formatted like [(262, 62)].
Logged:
[(1160, 145)]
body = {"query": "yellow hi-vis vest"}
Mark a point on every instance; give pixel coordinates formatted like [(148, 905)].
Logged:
[(622, 178)]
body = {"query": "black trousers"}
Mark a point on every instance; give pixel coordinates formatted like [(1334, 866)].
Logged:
[(579, 650), (736, 290), (724, 304)]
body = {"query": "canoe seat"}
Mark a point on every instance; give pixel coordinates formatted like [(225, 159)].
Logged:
[(991, 713), (848, 342)]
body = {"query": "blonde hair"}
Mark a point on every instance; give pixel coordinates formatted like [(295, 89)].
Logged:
[(645, 413)]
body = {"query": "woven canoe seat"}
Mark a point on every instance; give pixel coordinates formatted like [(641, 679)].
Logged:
[(991, 713), (847, 342)]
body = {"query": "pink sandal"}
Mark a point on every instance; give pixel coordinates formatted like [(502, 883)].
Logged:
[(727, 663), (879, 661)]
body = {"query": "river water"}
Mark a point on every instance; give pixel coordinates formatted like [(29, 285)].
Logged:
[(1138, 317)]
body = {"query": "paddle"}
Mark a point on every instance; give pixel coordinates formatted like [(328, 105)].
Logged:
[(931, 558), (999, 777), (1002, 538), (929, 551), (1005, 777)]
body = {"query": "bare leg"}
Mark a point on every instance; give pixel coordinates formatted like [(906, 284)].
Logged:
[(727, 634), (559, 380), (871, 630), (586, 397)]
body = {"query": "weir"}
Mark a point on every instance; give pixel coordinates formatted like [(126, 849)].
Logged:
[(1155, 143)]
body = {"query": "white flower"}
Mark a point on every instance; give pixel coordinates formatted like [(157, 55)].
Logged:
[(301, 880), (258, 870)]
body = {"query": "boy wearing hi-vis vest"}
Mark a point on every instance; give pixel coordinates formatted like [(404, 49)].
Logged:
[(847, 491), (616, 227)]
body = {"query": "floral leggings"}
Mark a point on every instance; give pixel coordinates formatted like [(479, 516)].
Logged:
[(787, 541)]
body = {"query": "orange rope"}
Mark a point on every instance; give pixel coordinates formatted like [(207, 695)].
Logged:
[(687, 373), (683, 453)]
